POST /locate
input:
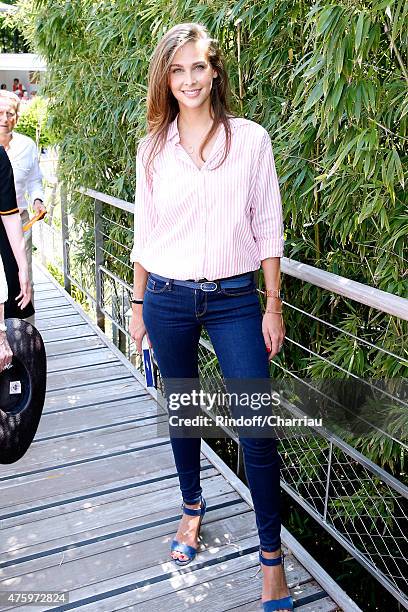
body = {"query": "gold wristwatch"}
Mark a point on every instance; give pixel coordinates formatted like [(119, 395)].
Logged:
[(276, 293)]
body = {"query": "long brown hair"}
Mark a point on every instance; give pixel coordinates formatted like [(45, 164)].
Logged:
[(162, 106)]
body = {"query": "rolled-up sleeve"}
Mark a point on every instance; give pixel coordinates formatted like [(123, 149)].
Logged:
[(145, 217), (266, 206), (3, 284), (35, 179)]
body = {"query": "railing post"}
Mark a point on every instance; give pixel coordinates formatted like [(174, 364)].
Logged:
[(65, 239), (100, 318), (326, 496)]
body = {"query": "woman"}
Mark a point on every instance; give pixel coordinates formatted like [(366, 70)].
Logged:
[(12, 247), (207, 215)]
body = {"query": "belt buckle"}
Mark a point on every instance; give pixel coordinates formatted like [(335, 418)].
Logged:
[(214, 288)]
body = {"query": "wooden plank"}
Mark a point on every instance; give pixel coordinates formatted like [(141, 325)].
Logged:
[(243, 585), (76, 331), (94, 496), (55, 323), (321, 605), (93, 393), (145, 545), (40, 279), (104, 197), (222, 560), (108, 515), (74, 480), (359, 292), (100, 356), (74, 345), (55, 314), (135, 373), (45, 287), (86, 376), (143, 566), (45, 454), (43, 297), (308, 590), (206, 588), (51, 303), (63, 422)]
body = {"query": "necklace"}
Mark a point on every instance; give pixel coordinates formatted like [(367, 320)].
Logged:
[(191, 149)]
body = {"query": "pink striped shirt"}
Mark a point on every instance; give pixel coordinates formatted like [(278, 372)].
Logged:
[(195, 223)]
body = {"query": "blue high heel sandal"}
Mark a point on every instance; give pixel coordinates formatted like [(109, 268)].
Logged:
[(285, 603), (189, 551)]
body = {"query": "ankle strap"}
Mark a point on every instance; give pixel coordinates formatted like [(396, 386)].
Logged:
[(275, 561), (193, 511)]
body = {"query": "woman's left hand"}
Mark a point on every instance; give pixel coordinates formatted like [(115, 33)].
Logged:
[(24, 296), (273, 329)]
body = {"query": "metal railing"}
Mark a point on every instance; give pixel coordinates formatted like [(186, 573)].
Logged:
[(359, 502)]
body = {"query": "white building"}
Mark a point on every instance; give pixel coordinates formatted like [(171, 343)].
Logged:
[(23, 66)]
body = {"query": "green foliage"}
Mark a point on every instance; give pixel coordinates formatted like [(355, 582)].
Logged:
[(56, 272), (11, 40), (33, 122)]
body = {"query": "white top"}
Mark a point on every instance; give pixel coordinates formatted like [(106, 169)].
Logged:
[(3, 284), (22, 153), (212, 223)]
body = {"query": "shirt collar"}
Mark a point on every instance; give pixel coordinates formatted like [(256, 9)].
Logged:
[(218, 148), (173, 133), (13, 141)]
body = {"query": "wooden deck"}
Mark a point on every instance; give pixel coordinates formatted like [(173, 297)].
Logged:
[(92, 507)]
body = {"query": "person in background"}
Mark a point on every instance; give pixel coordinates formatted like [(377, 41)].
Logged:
[(17, 87), (5, 351), (22, 152), (3, 86), (12, 248), (25, 101)]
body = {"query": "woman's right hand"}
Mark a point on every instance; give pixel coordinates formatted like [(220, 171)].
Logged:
[(6, 354), (137, 329)]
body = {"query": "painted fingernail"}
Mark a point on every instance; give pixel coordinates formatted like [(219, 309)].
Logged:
[(268, 348)]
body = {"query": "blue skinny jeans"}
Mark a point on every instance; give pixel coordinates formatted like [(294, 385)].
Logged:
[(174, 316)]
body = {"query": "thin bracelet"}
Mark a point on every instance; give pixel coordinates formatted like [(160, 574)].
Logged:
[(137, 301), (274, 311)]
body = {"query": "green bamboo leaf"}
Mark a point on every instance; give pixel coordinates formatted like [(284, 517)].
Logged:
[(398, 166), (337, 91), (357, 103), (371, 95), (390, 169), (339, 58), (359, 31), (325, 19), (342, 155), (314, 96)]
